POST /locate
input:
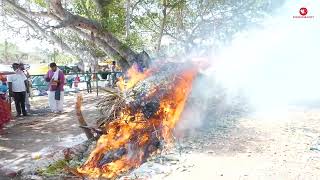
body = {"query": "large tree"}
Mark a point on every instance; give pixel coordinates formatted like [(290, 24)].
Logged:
[(199, 24), (91, 29), (56, 21)]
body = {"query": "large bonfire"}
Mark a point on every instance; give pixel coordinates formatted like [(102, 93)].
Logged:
[(149, 107)]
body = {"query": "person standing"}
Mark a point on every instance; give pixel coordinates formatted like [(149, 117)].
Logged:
[(113, 74), (69, 80), (76, 81), (18, 87), (5, 111), (26, 73), (88, 80), (56, 80)]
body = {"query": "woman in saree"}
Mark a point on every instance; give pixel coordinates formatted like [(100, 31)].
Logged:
[(5, 110)]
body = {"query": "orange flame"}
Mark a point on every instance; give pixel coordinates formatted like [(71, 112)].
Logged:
[(135, 76), (137, 134)]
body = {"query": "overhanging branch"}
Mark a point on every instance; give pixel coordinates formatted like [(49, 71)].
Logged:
[(105, 46), (95, 27), (105, 40)]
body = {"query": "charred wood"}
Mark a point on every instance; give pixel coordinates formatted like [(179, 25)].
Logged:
[(112, 156), (94, 130)]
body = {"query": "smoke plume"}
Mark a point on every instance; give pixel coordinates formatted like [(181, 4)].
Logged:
[(269, 68)]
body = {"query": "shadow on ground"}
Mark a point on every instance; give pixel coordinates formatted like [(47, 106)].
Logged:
[(43, 131)]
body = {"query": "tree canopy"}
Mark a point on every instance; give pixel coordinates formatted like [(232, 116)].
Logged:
[(93, 29)]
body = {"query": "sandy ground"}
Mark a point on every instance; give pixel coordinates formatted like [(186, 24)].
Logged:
[(272, 145), (43, 131)]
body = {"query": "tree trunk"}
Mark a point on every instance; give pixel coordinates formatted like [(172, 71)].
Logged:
[(68, 19), (128, 17), (87, 28), (106, 48), (163, 23)]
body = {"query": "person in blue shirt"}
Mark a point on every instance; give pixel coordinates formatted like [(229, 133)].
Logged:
[(5, 109), (3, 87)]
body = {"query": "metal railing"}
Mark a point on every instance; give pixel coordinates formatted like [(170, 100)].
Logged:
[(95, 78)]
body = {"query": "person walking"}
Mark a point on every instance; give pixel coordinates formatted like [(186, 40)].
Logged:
[(56, 80), (18, 87)]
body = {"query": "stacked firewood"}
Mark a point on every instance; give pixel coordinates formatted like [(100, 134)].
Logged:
[(141, 95), (110, 105)]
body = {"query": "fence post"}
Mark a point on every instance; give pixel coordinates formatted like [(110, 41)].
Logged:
[(97, 84)]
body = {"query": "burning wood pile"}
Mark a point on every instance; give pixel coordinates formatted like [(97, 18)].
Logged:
[(139, 118)]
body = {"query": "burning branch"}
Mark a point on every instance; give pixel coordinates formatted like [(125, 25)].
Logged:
[(145, 113), (81, 120)]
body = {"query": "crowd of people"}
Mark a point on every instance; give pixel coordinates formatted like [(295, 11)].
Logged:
[(109, 73), (18, 86)]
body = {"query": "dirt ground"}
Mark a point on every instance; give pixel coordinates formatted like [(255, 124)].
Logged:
[(283, 144), (29, 137), (271, 145)]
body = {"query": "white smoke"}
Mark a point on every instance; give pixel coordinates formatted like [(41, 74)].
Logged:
[(278, 64), (272, 66)]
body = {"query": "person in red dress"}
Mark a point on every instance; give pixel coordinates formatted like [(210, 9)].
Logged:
[(5, 110)]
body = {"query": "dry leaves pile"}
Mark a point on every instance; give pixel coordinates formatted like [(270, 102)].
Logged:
[(110, 105)]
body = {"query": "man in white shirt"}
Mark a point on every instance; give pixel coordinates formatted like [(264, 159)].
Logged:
[(26, 73), (18, 88)]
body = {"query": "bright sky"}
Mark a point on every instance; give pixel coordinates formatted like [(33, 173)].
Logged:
[(24, 44)]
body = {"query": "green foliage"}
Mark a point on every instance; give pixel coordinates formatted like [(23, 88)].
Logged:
[(114, 16), (86, 8), (41, 3), (199, 24), (62, 58), (58, 167), (11, 48), (53, 169), (10, 53), (135, 41), (196, 24)]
